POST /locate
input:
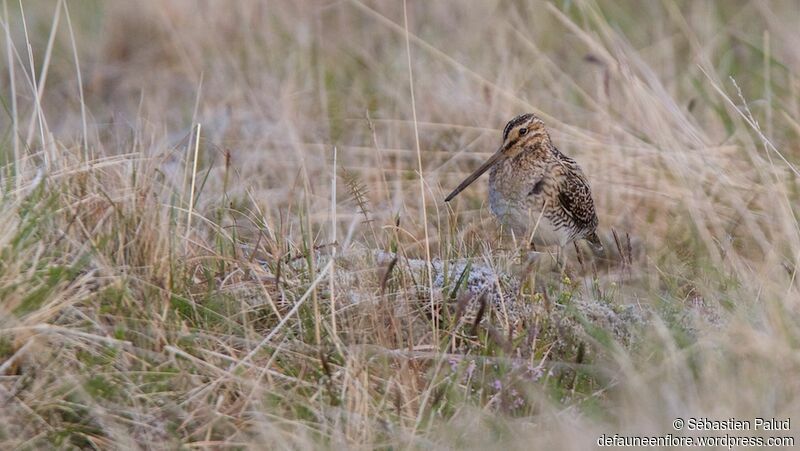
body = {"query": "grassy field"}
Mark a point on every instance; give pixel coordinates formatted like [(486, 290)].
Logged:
[(222, 223)]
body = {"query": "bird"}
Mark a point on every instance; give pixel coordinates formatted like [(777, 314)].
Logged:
[(536, 190)]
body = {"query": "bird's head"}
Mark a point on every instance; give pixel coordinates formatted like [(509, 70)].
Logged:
[(522, 132)]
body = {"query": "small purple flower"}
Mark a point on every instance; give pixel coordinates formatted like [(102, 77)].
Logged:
[(453, 363), (518, 402), (470, 368), (497, 385), (534, 372)]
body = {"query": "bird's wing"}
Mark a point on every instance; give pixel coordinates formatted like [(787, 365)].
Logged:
[(575, 195)]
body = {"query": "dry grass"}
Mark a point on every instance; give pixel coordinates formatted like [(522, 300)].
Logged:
[(159, 290)]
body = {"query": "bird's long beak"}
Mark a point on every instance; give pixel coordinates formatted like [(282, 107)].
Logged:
[(472, 177)]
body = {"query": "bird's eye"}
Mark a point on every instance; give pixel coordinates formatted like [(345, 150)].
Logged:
[(522, 131)]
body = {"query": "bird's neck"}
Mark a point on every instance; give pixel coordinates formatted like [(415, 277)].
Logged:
[(541, 150), (529, 162)]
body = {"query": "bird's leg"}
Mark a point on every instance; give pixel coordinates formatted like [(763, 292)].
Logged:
[(560, 259), (578, 254)]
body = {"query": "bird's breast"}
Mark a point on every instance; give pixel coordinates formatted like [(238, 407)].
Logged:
[(510, 197)]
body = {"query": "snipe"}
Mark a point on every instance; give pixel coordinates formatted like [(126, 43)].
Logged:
[(535, 189)]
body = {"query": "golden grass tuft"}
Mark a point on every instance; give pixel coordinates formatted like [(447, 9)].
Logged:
[(185, 260)]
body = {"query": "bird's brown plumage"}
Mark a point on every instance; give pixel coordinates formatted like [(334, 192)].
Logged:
[(534, 188)]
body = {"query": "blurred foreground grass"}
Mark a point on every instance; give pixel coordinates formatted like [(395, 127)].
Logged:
[(197, 197)]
